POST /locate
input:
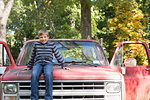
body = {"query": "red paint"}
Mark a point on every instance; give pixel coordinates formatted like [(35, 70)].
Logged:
[(9, 54), (75, 73), (137, 79)]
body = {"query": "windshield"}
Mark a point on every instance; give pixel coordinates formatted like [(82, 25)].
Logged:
[(74, 52)]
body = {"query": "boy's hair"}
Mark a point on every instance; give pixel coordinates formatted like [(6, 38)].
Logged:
[(43, 31)]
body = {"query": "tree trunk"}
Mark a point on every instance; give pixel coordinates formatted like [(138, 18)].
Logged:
[(85, 19), (4, 13), (2, 31)]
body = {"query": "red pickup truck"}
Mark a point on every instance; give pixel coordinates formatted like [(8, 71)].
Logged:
[(90, 76)]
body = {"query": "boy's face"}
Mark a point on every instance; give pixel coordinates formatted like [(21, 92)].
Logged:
[(43, 38)]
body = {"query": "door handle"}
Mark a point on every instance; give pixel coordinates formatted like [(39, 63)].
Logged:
[(147, 69)]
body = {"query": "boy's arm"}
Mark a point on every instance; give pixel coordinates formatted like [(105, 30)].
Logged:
[(58, 55)]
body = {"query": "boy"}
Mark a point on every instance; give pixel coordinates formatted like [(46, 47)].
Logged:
[(41, 57)]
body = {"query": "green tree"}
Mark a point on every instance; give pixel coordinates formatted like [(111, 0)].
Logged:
[(144, 5), (58, 19), (128, 23)]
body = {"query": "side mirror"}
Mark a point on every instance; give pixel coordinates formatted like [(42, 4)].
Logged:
[(130, 62), (2, 69), (123, 69)]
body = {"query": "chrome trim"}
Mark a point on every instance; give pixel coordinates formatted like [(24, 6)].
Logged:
[(67, 89)]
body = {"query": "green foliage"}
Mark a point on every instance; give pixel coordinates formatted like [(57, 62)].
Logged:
[(62, 18), (106, 12), (128, 23), (28, 17), (144, 5)]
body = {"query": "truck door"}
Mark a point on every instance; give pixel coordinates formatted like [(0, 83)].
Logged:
[(131, 58), (6, 59)]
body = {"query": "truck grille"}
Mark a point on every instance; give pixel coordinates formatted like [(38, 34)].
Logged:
[(66, 90)]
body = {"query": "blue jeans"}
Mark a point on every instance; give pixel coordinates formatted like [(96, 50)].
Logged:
[(47, 68)]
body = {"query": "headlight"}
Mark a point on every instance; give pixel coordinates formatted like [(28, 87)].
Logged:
[(10, 88), (113, 87)]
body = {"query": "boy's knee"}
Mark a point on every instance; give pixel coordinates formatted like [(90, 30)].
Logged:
[(35, 75), (49, 74)]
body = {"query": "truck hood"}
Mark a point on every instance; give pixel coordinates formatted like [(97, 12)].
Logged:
[(74, 73)]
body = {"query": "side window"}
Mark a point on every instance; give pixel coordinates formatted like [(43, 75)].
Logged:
[(131, 55), (119, 57), (4, 57), (135, 55)]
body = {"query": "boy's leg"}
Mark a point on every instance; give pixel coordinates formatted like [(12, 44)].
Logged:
[(36, 72), (48, 74)]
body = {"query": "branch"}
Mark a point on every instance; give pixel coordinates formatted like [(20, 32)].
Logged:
[(1, 7), (7, 11)]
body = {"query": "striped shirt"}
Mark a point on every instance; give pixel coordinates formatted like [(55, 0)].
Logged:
[(44, 53)]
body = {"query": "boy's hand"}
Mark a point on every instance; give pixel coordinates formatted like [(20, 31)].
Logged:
[(26, 68), (66, 68)]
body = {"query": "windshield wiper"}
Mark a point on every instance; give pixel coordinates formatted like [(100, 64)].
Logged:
[(91, 64), (74, 62)]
